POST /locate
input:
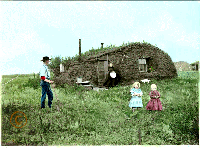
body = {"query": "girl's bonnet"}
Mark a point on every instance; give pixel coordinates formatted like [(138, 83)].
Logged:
[(153, 86), (136, 83)]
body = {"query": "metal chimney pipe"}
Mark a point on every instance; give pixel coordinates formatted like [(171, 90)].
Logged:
[(102, 45), (79, 47)]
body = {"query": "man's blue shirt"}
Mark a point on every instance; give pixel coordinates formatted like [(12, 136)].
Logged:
[(44, 71)]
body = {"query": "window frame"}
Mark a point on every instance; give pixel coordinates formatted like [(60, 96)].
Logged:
[(145, 65)]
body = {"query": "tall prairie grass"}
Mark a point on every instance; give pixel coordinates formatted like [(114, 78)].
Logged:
[(103, 117)]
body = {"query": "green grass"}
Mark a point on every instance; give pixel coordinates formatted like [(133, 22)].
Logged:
[(102, 118), (188, 74)]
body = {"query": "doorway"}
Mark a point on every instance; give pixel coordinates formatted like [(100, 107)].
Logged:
[(102, 70)]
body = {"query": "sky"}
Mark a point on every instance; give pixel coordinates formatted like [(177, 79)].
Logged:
[(32, 30)]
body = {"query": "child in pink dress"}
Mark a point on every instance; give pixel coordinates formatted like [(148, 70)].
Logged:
[(154, 103)]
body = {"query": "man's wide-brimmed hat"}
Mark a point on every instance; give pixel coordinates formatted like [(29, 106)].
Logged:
[(45, 58)]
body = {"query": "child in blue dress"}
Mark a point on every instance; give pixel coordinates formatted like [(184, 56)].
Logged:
[(136, 100)]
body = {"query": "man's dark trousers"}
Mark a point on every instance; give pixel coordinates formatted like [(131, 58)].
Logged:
[(46, 89)]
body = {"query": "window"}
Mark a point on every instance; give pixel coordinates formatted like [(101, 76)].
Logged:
[(142, 65)]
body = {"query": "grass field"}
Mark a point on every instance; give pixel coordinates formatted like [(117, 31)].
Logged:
[(101, 118)]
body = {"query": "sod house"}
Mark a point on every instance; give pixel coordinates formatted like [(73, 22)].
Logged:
[(131, 62), (183, 66), (195, 66)]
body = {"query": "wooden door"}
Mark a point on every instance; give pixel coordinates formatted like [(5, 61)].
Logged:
[(102, 70), (105, 68)]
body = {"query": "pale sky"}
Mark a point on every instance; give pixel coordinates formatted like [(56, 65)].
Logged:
[(31, 30)]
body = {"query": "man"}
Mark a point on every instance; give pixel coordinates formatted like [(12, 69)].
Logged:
[(45, 83)]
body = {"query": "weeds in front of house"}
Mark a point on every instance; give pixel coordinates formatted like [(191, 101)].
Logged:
[(102, 118)]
